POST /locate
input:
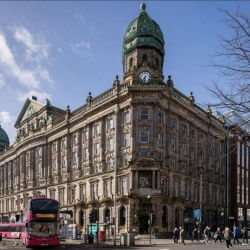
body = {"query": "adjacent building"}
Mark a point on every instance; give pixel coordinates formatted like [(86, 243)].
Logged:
[(157, 139)]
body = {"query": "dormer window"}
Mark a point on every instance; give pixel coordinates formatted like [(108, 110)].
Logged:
[(131, 62), (145, 58)]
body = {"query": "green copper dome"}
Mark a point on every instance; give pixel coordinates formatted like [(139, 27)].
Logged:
[(4, 139), (143, 31)]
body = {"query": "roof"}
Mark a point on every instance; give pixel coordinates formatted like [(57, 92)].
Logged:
[(4, 139), (143, 31)]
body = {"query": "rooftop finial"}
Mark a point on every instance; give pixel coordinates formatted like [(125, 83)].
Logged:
[(143, 7)]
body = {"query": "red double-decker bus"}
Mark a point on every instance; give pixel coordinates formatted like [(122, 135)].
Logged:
[(11, 230), (42, 223)]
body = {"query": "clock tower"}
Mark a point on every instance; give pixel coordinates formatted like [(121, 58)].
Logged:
[(143, 51)]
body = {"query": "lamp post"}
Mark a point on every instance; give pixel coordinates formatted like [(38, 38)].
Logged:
[(150, 221), (229, 136), (201, 176), (115, 163)]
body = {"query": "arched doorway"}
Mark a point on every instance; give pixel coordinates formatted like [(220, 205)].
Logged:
[(177, 217), (141, 220)]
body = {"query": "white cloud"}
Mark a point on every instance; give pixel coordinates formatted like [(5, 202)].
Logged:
[(2, 81), (6, 118), (80, 17), (26, 77), (82, 48), (36, 46), (41, 96)]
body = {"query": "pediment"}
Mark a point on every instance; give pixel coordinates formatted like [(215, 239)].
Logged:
[(30, 107)]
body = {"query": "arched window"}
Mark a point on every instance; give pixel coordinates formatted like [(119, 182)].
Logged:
[(122, 216), (157, 63), (107, 216), (145, 58), (82, 218), (131, 62)]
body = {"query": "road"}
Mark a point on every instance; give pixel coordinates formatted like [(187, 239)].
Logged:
[(9, 244)]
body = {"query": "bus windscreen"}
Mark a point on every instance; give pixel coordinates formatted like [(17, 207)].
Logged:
[(44, 205)]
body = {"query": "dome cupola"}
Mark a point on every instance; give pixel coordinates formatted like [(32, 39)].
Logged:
[(4, 139), (143, 32)]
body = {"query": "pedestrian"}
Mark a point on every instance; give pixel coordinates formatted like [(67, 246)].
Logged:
[(182, 234), (217, 235), (228, 235), (209, 234), (245, 236), (176, 235), (206, 235), (195, 235), (236, 235)]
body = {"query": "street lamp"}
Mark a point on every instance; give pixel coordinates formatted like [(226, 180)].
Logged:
[(229, 136), (201, 176), (150, 221)]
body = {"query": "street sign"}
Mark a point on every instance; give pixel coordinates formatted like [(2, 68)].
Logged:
[(231, 218)]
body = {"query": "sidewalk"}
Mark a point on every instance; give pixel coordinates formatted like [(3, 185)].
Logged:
[(138, 242)]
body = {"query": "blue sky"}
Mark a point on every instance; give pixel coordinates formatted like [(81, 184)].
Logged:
[(63, 50)]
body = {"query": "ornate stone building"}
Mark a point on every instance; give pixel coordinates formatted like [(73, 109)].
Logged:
[(158, 139)]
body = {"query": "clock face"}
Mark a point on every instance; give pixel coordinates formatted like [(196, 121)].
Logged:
[(145, 77)]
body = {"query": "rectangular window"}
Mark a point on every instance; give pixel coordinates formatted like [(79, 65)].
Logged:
[(64, 160), (173, 144), (126, 140), (193, 154), (126, 117), (85, 153), (173, 163), (97, 149), (126, 159), (63, 144), (85, 135), (160, 117), (163, 186), (174, 123), (71, 195), (242, 155), (160, 139), (124, 186), (187, 191), (184, 129), (107, 189), (193, 135), (202, 156), (94, 190), (144, 114), (184, 149), (110, 123), (238, 184), (110, 144), (61, 196), (110, 162), (83, 193), (243, 186), (247, 157), (238, 153), (247, 197), (96, 130), (144, 136), (176, 188), (74, 157)]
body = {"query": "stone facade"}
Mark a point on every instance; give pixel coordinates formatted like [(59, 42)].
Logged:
[(158, 139)]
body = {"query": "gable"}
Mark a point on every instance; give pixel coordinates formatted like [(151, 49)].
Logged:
[(30, 107)]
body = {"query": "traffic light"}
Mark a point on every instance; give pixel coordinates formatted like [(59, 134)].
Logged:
[(91, 216)]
